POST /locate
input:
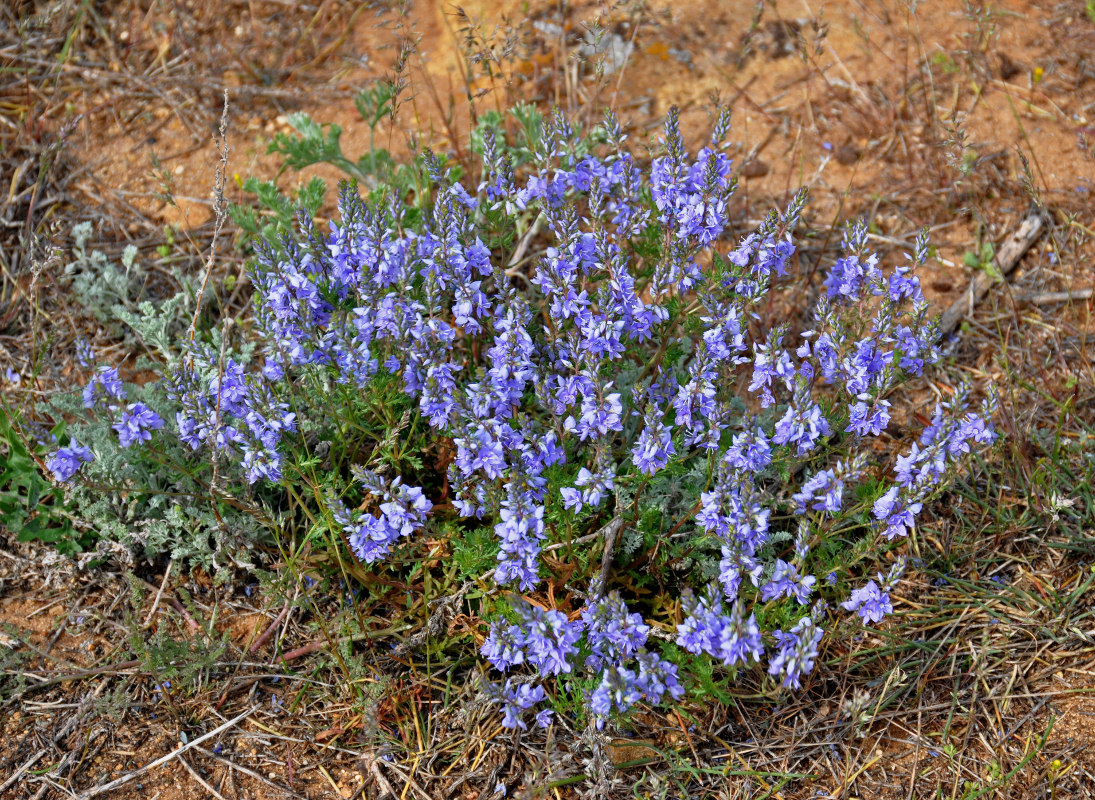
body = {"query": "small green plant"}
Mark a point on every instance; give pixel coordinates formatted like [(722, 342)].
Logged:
[(180, 665), (167, 247), (984, 260), (319, 143), (944, 61), (316, 143), (530, 129), (30, 505), (98, 283), (276, 213)]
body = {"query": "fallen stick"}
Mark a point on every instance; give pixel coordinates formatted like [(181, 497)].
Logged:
[(109, 669), (159, 594), (232, 765), (1038, 298), (259, 642), (200, 779), (114, 784), (368, 768), (319, 644), (19, 772), (1005, 259), (175, 604)]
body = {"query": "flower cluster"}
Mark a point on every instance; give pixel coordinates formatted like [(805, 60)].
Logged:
[(610, 638), (133, 423), (730, 637), (136, 424), (106, 385), (872, 601), (403, 511), (584, 372), (66, 461), (230, 413)]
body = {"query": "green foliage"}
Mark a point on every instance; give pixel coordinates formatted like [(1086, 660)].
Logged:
[(984, 260), (276, 214), (29, 504), (111, 294), (181, 665), (316, 143), (530, 129), (143, 499), (376, 103), (944, 61), (313, 143), (709, 681), (164, 250), (98, 284), (475, 551)]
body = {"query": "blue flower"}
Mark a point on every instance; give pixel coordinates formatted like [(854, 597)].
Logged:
[(898, 516), (515, 700), (520, 530), (786, 582), (136, 424), (749, 451), (614, 634), (619, 352), (653, 447), (504, 646), (824, 489), (802, 427), (796, 651), (105, 385), (732, 638), (865, 420), (67, 461), (403, 511), (260, 463), (85, 356), (594, 488), (870, 602)]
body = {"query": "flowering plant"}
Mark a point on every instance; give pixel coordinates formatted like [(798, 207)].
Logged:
[(626, 381)]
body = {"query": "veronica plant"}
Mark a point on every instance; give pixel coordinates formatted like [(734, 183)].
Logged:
[(626, 369)]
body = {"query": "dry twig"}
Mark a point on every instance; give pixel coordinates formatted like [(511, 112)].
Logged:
[(1017, 244)]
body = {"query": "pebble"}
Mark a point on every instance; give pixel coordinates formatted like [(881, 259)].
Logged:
[(754, 168)]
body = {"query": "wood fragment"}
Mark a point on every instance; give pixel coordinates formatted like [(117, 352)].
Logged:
[(265, 635), (232, 765), (1039, 298), (159, 594), (1013, 249), (371, 770), (114, 784), (19, 772), (200, 779)]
